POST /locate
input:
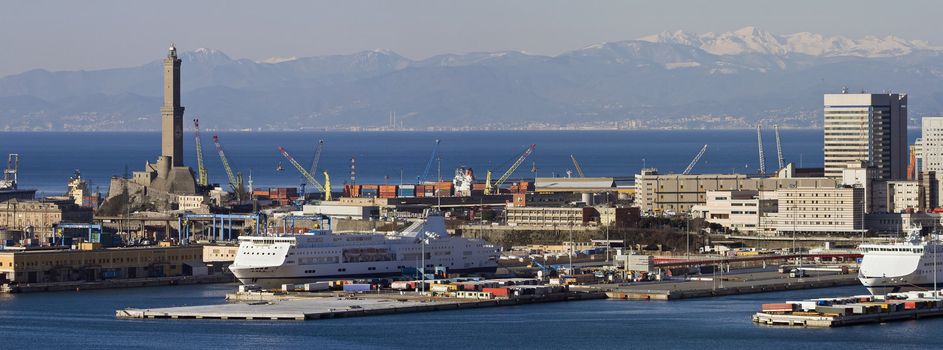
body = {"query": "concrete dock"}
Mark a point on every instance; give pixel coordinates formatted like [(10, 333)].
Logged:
[(818, 321), (321, 307), (741, 283), (843, 311)]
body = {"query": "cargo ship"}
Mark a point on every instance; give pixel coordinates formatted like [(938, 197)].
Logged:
[(269, 261), (912, 265)]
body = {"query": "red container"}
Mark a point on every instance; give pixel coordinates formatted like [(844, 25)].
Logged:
[(498, 292), (910, 305), (781, 307)]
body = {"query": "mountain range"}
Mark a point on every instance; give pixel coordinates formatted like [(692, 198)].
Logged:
[(668, 80)]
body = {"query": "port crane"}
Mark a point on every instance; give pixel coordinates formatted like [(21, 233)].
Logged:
[(327, 186), (235, 180), (9, 174), (576, 165), (779, 148), (203, 178), (313, 169), (432, 157), (695, 160), (301, 169), (759, 143), (492, 188)]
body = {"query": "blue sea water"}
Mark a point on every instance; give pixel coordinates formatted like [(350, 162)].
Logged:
[(48, 159), (80, 320)]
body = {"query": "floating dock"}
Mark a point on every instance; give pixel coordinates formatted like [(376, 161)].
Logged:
[(314, 308), (836, 312)]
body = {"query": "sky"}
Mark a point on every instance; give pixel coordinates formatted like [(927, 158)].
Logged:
[(97, 34)]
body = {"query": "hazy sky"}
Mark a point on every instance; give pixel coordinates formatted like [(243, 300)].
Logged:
[(71, 35)]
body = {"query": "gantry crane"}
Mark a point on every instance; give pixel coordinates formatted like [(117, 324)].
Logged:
[(313, 169), (491, 188), (432, 157), (203, 179), (10, 173), (235, 180), (301, 169), (695, 160), (779, 148), (327, 186), (759, 143), (576, 165)]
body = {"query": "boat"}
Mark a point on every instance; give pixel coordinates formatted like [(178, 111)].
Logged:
[(912, 265), (268, 261)]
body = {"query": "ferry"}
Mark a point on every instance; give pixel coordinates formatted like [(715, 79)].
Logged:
[(269, 261), (912, 265)]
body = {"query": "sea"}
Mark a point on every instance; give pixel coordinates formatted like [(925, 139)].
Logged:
[(85, 320), (48, 159)]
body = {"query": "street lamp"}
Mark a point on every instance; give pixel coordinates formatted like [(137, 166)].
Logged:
[(422, 251)]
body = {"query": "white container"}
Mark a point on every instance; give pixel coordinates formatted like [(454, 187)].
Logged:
[(317, 286)]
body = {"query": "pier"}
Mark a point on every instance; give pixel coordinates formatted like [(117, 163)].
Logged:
[(844, 311), (744, 283), (269, 306)]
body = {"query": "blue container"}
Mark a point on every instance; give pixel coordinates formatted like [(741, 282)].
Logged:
[(406, 192), (357, 287)]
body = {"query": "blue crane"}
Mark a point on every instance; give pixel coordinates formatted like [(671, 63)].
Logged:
[(425, 173)]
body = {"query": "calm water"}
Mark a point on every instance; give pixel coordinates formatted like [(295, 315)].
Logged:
[(50, 158), (86, 320)]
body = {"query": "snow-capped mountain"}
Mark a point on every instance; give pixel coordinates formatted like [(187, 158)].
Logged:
[(748, 74), (753, 40)]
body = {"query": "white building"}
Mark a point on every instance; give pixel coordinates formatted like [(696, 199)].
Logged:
[(821, 211), (194, 203), (931, 144), (904, 196), (747, 212), (866, 127), (339, 210)]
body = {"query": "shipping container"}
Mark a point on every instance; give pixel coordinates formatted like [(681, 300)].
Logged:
[(403, 285), (781, 307), (443, 288), (406, 192), (834, 310), (497, 292), (317, 286), (357, 287)]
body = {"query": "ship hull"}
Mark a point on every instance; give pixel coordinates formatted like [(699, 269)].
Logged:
[(269, 280)]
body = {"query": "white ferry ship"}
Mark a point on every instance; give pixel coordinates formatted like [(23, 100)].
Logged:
[(270, 261), (902, 267)]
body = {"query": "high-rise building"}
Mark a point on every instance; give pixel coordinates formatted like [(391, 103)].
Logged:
[(866, 127), (171, 113), (931, 144)]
